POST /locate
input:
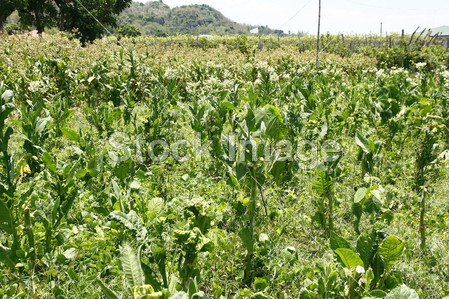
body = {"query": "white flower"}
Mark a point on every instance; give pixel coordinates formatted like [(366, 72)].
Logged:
[(360, 269), (421, 65), (170, 73), (274, 77), (258, 82), (35, 86), (380, 73)]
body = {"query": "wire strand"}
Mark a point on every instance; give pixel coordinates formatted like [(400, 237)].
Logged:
[(294, 16)]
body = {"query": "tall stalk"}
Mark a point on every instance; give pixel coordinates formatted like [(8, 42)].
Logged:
[(424, 159), (249, 273), (30, 234), (330, 211), (422, 226)]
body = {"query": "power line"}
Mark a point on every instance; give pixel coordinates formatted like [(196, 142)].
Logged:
[(88, 11), (304, 6)]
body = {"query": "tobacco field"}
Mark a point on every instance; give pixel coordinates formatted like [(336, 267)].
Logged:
[(226, 168)]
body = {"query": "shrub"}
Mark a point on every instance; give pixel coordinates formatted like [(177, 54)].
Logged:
[(12, 28), (128, 30)]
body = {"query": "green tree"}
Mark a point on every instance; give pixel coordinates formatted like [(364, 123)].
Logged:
[(6, 8), (39, 13), (90, 18), (128, 30)]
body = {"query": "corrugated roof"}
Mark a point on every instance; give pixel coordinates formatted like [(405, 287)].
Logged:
[(443, 30)]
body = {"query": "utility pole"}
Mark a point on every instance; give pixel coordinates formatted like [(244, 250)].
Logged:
[(318, 38), (380, 28)]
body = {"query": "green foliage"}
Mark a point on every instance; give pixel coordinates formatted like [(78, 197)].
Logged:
[(233, 216), (369, 153), (90, 18), (131, 266), (408, 56), (7, 7), (87, 19), (390, 250), (128, 30), (370, 263), (12, 28), (158, 19), (349, 258), (37, 13)]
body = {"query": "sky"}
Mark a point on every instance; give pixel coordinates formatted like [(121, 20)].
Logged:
[(338, 16)]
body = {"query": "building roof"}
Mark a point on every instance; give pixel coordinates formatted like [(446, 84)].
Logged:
[(442, 31)]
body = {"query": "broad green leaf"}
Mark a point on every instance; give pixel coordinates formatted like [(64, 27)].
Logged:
[(337, 241), (49, 163), (107, 292), (42, 124), (122, 171), (150, 277), (229, 106), (247, 238), (357, 210), (131, 221), (390, 250), (131, 266), (6, 222), (377, 294), (362, 142), (5, 141), (232, 180), (154, 208), (378, 266), (349, 258), (260, 284), (376, 194), (5, 110), (402, 292), (82, 173), (240, 170), (5, 256), (364, 247), (55, 211), (369, 278), (116, 189), (373, 205), (70, 134), (360, 194)]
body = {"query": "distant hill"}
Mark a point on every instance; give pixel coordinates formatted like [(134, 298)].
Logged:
[(157, 18)]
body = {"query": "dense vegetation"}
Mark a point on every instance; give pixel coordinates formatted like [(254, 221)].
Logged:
[(157, 18), (87, 19), (164, 168)]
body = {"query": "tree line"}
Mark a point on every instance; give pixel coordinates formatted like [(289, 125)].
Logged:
[(87, 19)]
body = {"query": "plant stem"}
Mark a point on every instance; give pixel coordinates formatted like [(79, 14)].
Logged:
[(29, 230), (48, 240), (249, 273), (422, 227), (330, 212)]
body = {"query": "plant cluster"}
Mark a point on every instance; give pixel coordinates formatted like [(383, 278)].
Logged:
[(92, 204)]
